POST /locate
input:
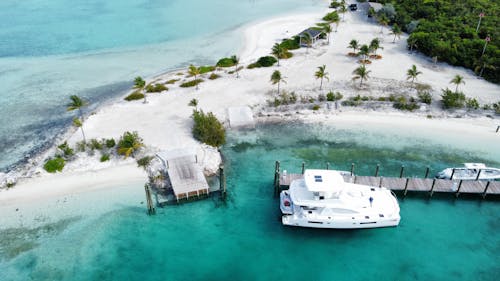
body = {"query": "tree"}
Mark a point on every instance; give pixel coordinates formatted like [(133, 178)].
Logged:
[(77, 103), (354, 45), (129, 143), (361, 73), (457, 80), (208, 129), (139, 84), (396, 31), (307, 39), (194, 71), (193, 103), (375, 45), (412, 73), (236, 61), (320, 74), (412, 42), (343, 10), (276, 78), (384, 21), (364, 50), (278, 51), (326, 28)]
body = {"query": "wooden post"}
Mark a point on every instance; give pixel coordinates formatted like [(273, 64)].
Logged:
[(380, 184), (276, 177), (427, 172), (352, 169), (458, 189), (149, 201), (222, 182), (376, 170), (486, 189), (452, 173), (327, 165), (402, 171), (406, 186), (478, 174), (498, 129), (432, 187), (303, 167), (354, 179)]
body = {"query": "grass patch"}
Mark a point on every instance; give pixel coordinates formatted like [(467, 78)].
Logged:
[(191, 83), (134, 96), (105, 157), (171, 81), (225, 62), (213, 76), (156, 88), (266, 61), (54, 165), (206, 68)]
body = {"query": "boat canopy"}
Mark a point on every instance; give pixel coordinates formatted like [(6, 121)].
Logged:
[(323, 180), (475, 166)]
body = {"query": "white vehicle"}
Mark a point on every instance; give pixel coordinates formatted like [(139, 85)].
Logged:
[(323, 200), (470, 171)]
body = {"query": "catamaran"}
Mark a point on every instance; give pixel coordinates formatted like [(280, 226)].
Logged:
[(322, 199), (470, 171)]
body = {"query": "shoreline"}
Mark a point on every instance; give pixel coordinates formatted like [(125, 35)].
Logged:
[(171, 112)]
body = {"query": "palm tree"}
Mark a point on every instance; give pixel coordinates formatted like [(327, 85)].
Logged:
[(396, 31), (194, 71), (306, 37), (412, 73), (236, 61), (77, 103), (361, 73), (139, 84), (375, 45), (320, 74), (129, 143), (354, 45), (276, 78), (336, 21), (457, 80), (343, 10), (364, 50), (193, 103), (326, 28), (384, 21), (278, 51), (412, 42)]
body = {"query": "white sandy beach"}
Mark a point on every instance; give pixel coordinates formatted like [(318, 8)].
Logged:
[(164, 122)]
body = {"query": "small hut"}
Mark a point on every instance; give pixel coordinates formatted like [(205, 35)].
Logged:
[(314, 34)]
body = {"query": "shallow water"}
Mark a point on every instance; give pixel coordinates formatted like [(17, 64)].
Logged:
[(243, 239), (50, 50)]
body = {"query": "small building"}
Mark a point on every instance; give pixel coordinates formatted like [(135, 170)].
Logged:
[(314, 34)]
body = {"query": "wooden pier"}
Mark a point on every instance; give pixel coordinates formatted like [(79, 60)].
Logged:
[(403, 184)]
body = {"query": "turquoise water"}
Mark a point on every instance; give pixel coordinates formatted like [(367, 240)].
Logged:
[(51, 49), (243, 239)]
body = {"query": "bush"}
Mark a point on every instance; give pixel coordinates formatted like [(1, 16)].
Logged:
[(105, 157), (332, 16), (321, 97), (66, 150), (129, 143), (263, 62), (334, 96), (95, 144), (291, 44), (452, 99), (206, 68), (156, 88), (110, 143), (472, 103), (134, 96), (171, 81), (144, 161), (334, 4), (191, 83), (81, 146), (402, 103), (208, 129), (225, 62), (425, 97), (54, 165), (213, 76), (315, 107)]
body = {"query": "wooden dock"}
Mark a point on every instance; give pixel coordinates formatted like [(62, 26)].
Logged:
[(406, 184)]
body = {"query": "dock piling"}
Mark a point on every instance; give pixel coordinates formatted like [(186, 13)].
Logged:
[(352, 169), (486, 189), (149, 201), (222, 182), (427, 172), (478, 174), (498, 129), (402, 171), (328, 165), (376, 170), (432, 187), (303, 167), (452, 173), (380, 184), (276, 178), (458, 189), (406, 186)]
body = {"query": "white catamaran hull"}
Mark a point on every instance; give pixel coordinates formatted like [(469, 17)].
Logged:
[(340, 223)]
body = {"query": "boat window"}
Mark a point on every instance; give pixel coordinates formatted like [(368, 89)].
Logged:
[(321, 197), (318, 179), (381, 215), (367, 217)]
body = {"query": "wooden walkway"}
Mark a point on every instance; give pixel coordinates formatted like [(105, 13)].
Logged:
[(405, 185)]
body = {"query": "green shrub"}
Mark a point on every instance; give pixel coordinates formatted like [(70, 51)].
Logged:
[(110, 143), (315, 107), (129, 143), (332, 16), (105, 157), (472, 103), (382, 98), (191, 83), (134, 96), (452, 99), (334, 4), (171, 81), (208, 129), (144, 161), (425, 97), (66, 150), (291, 44), (402, 103), (156, 88), (54, 165), (94, 144), (263, 62), (225, 62), (206, 68), (213, 76), (81, 146), (331, 96)]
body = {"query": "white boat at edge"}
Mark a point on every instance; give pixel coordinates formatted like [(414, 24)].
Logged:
[(470, 171), (322, 199)]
